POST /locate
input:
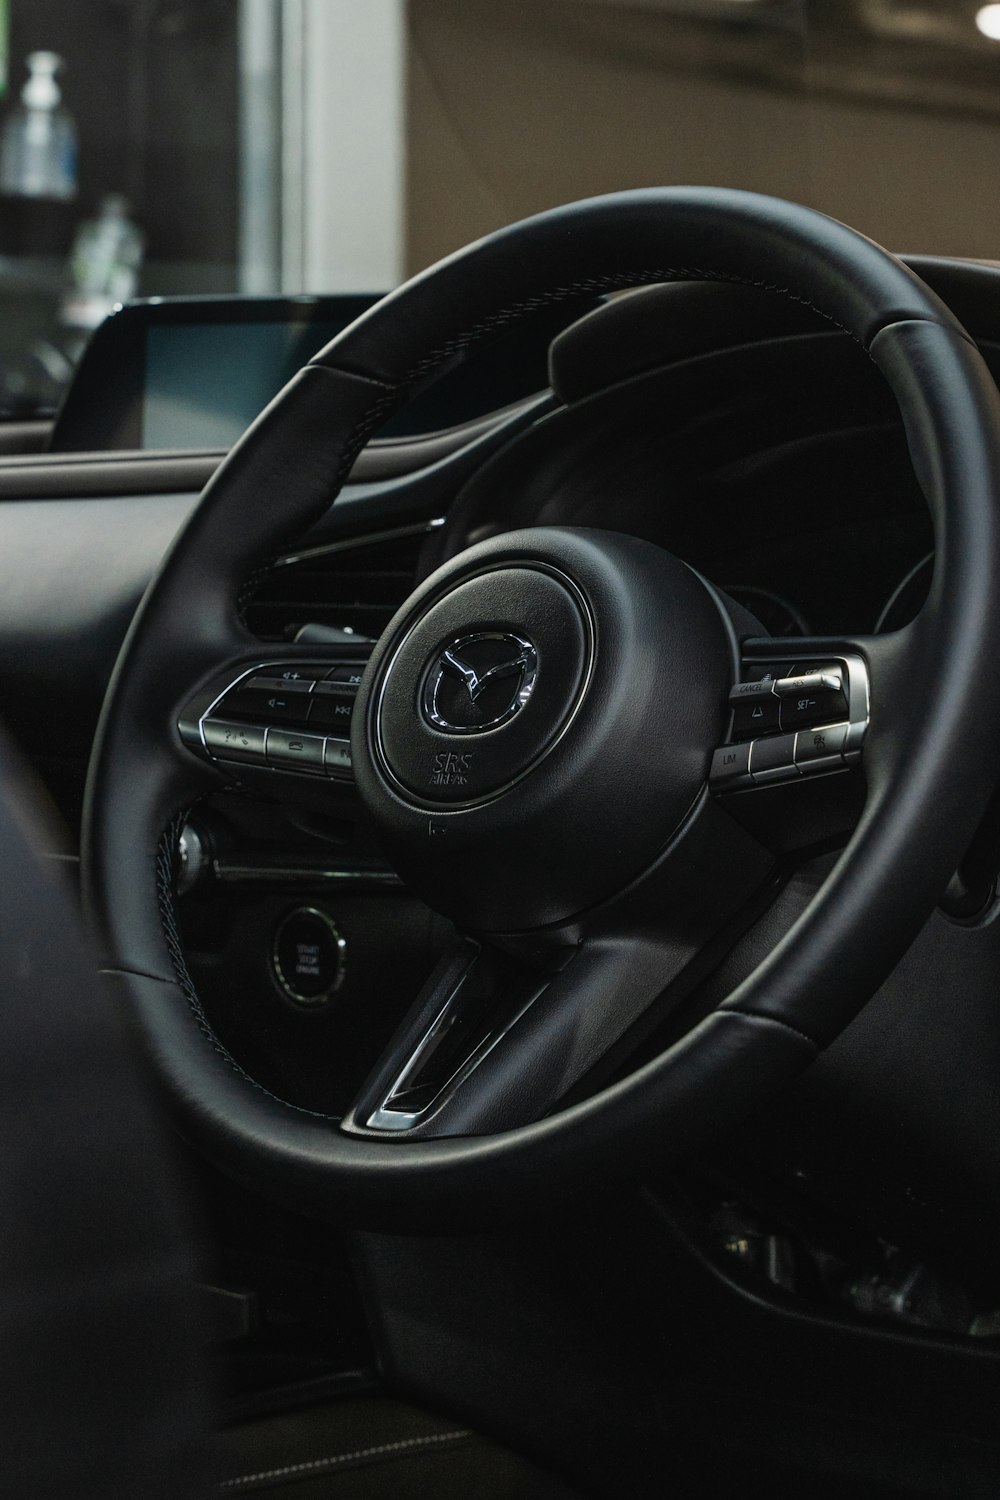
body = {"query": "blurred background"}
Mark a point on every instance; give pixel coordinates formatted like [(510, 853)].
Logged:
[(165, 147)]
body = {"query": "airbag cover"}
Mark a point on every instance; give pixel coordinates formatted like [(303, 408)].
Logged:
[(553, 757), (483, 684)]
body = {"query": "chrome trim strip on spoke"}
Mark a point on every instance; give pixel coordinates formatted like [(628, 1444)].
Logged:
[(387, 1118)]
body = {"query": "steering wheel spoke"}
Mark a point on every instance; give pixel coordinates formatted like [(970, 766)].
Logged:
[(441, 1072), (501, 1036), (511, 1025)]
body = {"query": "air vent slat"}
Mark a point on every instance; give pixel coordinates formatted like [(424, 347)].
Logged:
[(359, 586), (312, 585)]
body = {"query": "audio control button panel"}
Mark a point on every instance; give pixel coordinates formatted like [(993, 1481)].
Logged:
[(282, 716)]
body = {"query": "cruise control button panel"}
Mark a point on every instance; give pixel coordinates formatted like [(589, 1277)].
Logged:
[(282, 716), (792, 720)]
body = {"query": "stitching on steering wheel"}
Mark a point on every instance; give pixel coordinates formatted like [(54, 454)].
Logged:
[(759, 1015), (168, 918), (617, 281), (252, 584)]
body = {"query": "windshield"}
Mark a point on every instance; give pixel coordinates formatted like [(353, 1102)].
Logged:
[(159, 148)]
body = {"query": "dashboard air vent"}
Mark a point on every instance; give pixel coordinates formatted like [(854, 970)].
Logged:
[(357, 585)]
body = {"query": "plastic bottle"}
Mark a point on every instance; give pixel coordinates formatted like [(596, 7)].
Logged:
[(104, 264), (38, 142)]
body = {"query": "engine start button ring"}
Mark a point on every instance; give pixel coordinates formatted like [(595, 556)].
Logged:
[(308, 957)]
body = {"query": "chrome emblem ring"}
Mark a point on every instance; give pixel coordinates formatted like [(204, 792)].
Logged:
[(479, 682)]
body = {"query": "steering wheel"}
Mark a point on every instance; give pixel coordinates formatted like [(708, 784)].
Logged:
[(545, 741)]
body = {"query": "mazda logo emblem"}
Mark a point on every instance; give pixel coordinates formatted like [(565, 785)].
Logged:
[(478, 682)]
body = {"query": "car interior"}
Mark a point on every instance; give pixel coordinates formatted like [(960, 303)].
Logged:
[(499, 901), (499, 809)]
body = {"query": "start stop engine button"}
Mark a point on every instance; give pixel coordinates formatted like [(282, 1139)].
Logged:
[(307, 956)]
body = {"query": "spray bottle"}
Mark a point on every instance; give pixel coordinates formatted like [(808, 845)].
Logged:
[(38, 146)]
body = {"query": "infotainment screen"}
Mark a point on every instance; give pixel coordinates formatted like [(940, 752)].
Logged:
[(203, 384), (192, 373)]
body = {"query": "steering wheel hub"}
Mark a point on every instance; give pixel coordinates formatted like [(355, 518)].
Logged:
[(481, 685), (551, 697)]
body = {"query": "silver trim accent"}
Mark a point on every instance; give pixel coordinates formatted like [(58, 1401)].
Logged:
[(808, 682), (306, 1002), (449, 663), (858, 707), (385, 1118), (192, 858), (349, 544), (344, 879)]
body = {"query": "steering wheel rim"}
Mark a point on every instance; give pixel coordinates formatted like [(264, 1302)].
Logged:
[(935, 706)]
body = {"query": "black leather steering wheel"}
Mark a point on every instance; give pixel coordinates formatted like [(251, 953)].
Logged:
[(573, 835)]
